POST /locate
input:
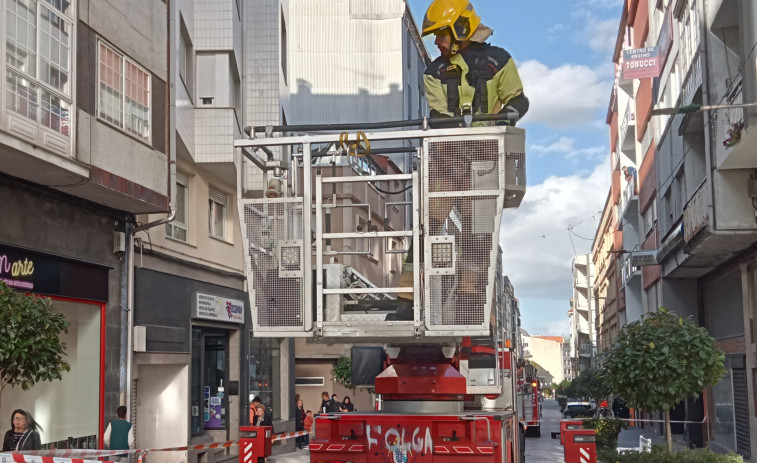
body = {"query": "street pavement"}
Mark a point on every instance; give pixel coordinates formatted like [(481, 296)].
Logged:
[(542, 449)]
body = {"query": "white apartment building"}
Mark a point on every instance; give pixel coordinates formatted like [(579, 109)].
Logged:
[(582, 322), (547, 351)]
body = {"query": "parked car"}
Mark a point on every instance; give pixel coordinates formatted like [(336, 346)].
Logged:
[(578, 410)]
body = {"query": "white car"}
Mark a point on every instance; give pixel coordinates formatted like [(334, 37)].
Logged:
[(578, 410)]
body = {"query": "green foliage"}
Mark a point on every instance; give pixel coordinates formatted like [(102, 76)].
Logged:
[(562, 402), (660, 455), (608, 430), (30, 347), (592, 384), (342, 372), (567, 388), (661, 360)]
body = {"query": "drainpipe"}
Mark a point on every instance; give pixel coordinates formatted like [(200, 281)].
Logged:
[(127, 357)]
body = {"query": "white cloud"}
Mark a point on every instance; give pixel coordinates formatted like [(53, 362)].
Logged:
[(567, 96), (602, 3), (563, 145), (537, 247), (602, 35)]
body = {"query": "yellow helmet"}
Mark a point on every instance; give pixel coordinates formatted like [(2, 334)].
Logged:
[(457, 15)]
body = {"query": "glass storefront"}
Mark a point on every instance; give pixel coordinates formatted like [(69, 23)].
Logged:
[(67, 410), (264, 373), (209, 402)]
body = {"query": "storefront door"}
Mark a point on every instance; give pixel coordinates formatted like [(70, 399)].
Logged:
[(209, 400)]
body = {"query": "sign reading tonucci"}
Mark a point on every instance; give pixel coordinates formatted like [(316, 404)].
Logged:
[(219, 308), (640, 63)]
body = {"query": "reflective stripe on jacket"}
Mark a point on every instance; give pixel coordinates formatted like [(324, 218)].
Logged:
[(489, 63)]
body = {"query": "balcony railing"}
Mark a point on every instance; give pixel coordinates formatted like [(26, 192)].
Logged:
[(630, 192), (628, 271), (696, 214), (628, 117)]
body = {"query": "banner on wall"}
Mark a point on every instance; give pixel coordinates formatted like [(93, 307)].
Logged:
[(217, 308)]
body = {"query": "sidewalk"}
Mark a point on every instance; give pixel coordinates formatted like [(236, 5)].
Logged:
[(299, 456)]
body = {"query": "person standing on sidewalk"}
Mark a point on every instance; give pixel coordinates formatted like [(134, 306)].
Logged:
[(299, 423), (308, 426), (120, 435)]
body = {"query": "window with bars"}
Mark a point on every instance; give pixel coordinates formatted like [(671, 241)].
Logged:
[(38, 42), (178, 228), (123, 93), (217, 216)]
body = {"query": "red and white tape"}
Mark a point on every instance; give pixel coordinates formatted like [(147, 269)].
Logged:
[(288, 435), (81, 455), (19, 458)]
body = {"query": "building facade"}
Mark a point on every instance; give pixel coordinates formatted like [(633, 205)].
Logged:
[(582, 319), (334, 75), (547, 351), (693, 208)]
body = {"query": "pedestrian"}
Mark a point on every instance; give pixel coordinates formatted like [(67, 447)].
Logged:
[(470, 73), (347, 405), (119, 435), (308, 423), (619, 408), (255, 400), (299, 423), (23, 433), (328, 405), (261, 419)]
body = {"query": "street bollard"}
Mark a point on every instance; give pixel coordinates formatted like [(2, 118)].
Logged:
[(580, 446), (569, 424), (254, 443)]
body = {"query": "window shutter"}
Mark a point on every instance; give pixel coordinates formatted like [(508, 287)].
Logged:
[(182, 178), (206, 76), (218, 197)]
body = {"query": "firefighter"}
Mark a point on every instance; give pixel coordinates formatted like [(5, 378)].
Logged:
[(470, 76)]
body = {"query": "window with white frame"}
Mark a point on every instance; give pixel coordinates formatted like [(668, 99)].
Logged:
[(178, 228), (38, 42), (186, 59), (123, 93), (217, 210)]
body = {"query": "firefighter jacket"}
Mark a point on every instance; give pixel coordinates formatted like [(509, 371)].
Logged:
[(481, 75)]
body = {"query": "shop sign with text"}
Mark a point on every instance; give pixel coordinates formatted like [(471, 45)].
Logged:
[(36, 272), (220, 309), (640, 63)]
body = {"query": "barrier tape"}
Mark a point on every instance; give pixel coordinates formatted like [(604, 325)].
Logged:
[(80, 455), (636, 420), (288, 435), (19, 458)]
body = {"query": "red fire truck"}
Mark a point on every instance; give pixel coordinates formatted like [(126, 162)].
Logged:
[(389, 241)]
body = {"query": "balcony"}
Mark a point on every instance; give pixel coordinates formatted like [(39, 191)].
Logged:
[(629, 273), (730, 125), (705, 247), (626, 141), (628, 205)]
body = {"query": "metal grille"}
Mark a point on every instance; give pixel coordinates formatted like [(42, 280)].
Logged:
[(274, 258), (442, 255), (515, 178), (465, 180), (741, 412)]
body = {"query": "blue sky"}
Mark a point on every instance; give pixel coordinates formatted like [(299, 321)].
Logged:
[(563, 49)]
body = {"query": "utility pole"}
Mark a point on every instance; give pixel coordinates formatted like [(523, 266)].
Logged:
[(589, 293)]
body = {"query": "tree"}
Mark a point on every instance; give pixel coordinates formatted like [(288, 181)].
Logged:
[(592, 383), (31, 350), (342, 372), (662, 359)]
